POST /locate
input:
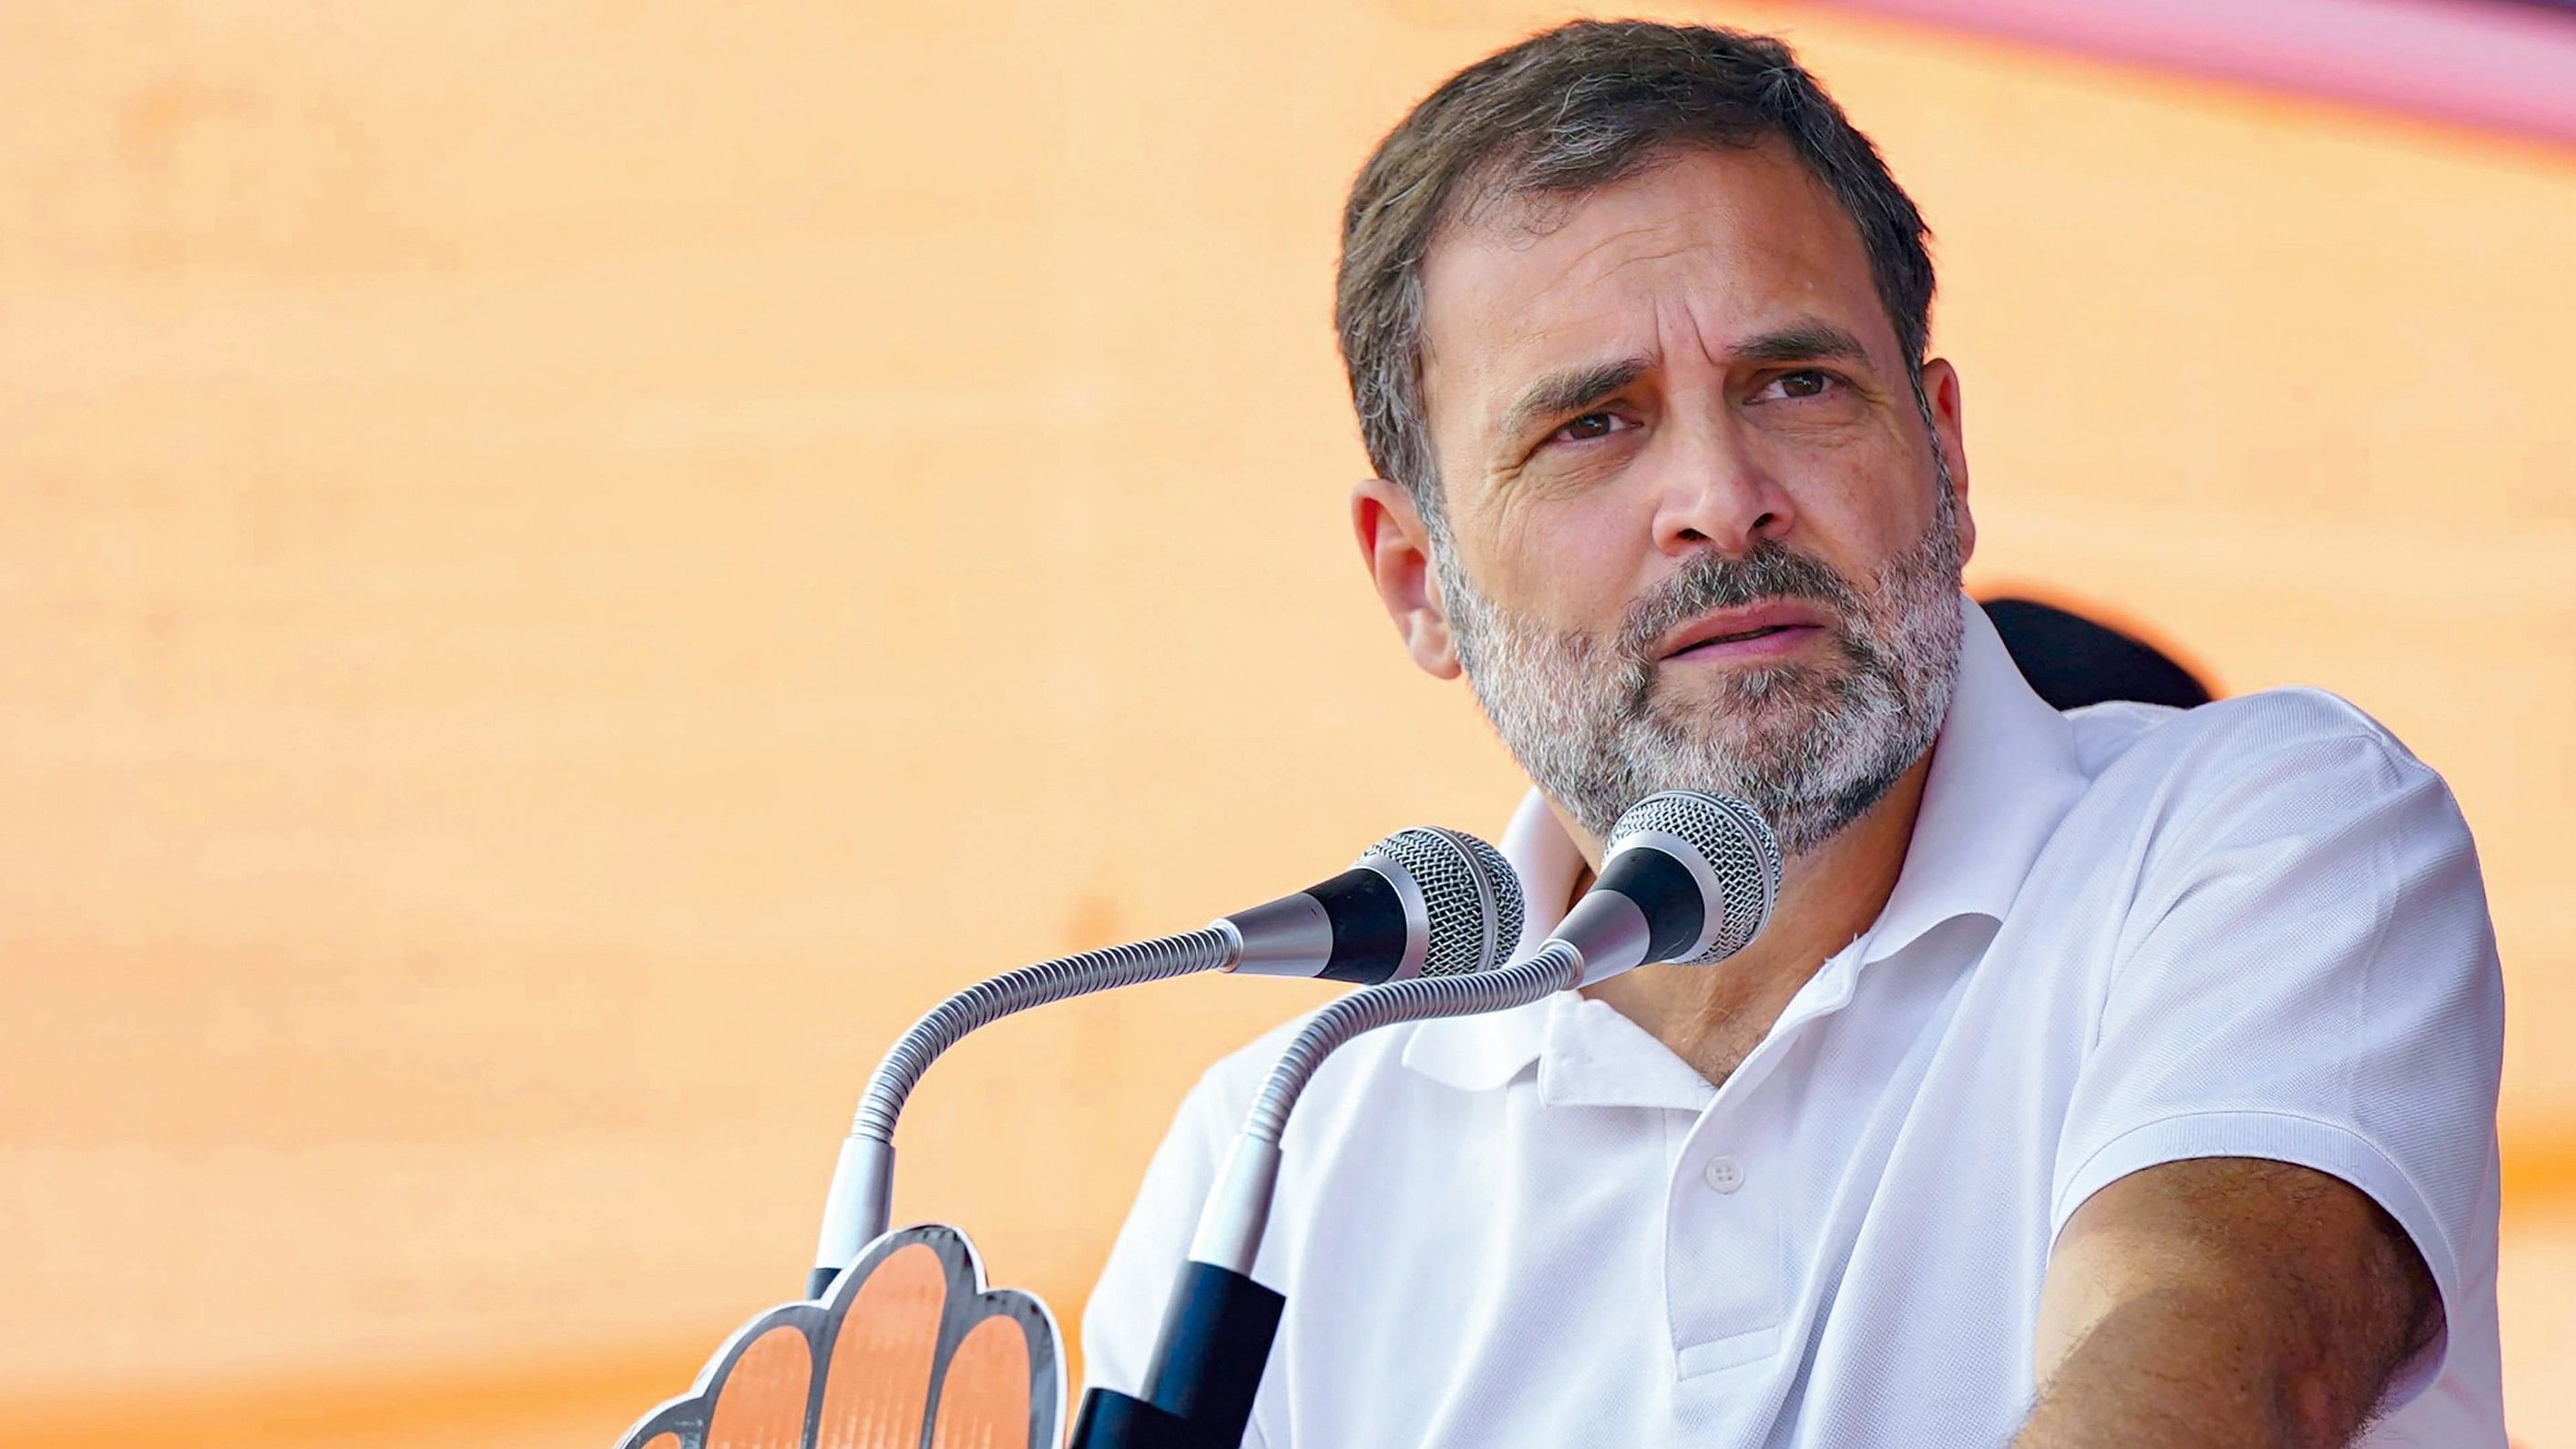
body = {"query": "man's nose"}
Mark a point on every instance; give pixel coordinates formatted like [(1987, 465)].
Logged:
[(1712, 488)]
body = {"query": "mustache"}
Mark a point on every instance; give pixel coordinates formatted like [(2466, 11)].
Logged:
[(1771, 571)]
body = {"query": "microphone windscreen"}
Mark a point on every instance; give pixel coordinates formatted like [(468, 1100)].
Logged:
[(1471, 896), (1727, 848)]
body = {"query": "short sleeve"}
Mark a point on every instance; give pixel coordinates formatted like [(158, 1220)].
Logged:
[(2308, 975)]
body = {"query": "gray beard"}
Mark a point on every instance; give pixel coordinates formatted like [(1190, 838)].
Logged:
[(1811, 745)]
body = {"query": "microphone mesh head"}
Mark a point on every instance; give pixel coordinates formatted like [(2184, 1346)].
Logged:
[(1737, 851), (1470, 895)]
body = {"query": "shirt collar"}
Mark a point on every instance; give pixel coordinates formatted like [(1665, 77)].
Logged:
[(2004, 773)]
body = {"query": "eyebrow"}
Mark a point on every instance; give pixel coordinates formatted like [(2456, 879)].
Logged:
[(1808, 341), (1567, 389)]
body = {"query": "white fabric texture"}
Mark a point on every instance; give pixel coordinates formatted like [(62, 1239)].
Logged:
[(2122, 936)]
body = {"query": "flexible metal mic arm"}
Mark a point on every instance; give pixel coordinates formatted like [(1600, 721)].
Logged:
[(1238, 1206), (1423, 900), (1688, 877), (862, 1198), (1219, 1323), (1614, 935)]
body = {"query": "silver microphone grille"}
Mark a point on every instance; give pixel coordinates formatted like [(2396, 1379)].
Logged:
[(1739, 858), (1471, 897)]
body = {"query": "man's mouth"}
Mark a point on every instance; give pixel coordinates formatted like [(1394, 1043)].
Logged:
[(1771, 641), (1757, 632), (1765, 632)]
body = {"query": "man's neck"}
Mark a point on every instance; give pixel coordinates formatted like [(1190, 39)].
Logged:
[(1713, 1016)]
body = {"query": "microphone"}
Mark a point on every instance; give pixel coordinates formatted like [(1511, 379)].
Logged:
[(1423, 902), (1687, 876)]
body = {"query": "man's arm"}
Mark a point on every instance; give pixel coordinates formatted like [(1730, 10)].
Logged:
[(2225, 1302)]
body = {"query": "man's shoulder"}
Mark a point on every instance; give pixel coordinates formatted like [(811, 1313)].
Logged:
[(2171, 794), (2125, 748)]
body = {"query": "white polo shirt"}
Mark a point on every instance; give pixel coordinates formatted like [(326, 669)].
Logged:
[(2122, 936)]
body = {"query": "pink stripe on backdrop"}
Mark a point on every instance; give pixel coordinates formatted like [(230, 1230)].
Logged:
[(2489, 63)]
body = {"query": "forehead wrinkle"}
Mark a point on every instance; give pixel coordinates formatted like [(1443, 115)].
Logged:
[(1575, 263), (1574, 273)]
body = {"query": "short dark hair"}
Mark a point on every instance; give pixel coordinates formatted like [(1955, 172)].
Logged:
[(1562, 114)]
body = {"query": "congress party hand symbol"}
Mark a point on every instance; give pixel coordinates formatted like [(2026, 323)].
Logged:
[(907, 1350)]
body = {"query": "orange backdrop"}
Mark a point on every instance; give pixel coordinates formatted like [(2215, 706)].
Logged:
[(556, 556)]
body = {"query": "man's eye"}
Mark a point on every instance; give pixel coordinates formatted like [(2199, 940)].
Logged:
[(1807, 382), (1590, 426)]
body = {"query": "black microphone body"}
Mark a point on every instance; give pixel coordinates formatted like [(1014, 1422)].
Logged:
[(1355, 927)]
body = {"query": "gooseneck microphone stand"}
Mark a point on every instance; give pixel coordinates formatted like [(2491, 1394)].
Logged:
[(1688, 877), (1422, 903), (1217, 1332), (861, 1204)]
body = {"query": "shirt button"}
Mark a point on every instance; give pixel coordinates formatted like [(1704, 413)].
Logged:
[(1725, 1174)]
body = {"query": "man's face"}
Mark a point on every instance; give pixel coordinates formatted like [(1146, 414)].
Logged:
[(1700, 534)]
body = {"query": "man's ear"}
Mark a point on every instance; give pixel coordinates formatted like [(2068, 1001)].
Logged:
[(1397, 549), (1949, 434)]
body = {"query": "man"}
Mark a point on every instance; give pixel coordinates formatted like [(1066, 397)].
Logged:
[(2118, 1077)]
